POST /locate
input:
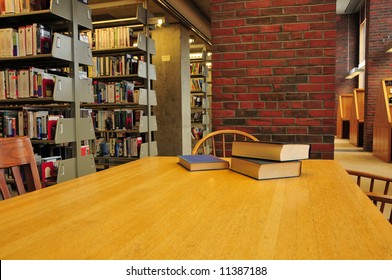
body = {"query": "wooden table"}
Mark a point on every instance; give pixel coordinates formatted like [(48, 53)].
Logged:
[(155, 209)]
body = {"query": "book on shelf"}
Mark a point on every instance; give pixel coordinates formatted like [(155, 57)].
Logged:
[(52, 125), (262, 169), (22, 40), (23, 83), (202, 162), (270, 151), (44, 41), (3, 87), (85, 150), (49, 167)]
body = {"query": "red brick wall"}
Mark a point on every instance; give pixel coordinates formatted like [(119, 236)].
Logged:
[(274, 70), (378, 63)]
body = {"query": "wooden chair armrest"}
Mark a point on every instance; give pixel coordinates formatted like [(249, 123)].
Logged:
[(379, 197), (368, 175)]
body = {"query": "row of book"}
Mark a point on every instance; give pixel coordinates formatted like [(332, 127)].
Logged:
[(115, 92), (119, 119), (118, 147), (198, 68), (25, 40), (198, 85), (197, 133), (259, 160), (34, 124), (26, 83), (127, 64), (111, 37), (25, 6), (22, 6)]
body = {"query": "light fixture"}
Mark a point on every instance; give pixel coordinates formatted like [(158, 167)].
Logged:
[(354, 72), (156, 21), (361, 67), (388, 47), (198, 55), (191, 40)]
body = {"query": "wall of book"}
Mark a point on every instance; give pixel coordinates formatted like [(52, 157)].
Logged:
[(122, 73), (42, 85), (200, 103)]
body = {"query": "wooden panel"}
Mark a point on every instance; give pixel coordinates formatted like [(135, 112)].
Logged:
[(359, 98), (357, 117), (345, 102), (382, 142), (382, 123), (343, 113)]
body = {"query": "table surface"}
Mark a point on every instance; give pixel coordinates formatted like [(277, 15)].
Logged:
[(155, 209)]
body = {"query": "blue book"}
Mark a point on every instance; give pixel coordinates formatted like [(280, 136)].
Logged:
[(202, 162)]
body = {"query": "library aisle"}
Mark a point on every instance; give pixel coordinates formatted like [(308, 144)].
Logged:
[(355, 158)]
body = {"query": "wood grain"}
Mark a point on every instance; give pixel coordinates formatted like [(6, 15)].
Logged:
[(155, 209)]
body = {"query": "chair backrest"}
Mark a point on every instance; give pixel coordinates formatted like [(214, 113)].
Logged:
[(17, 153), (219, 142), (376, 187), (382, 199)]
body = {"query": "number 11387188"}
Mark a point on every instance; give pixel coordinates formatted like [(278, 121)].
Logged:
[(243, 270)]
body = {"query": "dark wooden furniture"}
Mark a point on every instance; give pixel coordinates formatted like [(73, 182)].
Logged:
[(16, 153), (382, 125), (343, 115), (357, 117)]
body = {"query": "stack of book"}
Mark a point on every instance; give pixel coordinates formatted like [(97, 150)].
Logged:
[(261, 160)]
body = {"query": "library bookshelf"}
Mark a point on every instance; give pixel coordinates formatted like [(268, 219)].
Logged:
[(123, 75), (200, 102), (55, 90)]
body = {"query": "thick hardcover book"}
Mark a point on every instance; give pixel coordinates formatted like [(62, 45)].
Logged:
[(270, 151), (266, 169), (202, 162)]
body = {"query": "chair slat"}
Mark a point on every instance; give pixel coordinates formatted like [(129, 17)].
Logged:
[(3, 185), (224, 137), (380, 200)]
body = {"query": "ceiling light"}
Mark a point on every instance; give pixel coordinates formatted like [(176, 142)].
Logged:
[(354, 72)]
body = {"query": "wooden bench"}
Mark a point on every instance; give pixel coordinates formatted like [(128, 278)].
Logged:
[(343, 115), (357, 117)]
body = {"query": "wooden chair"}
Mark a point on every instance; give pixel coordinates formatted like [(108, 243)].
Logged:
[(220, 142), (369, 182), (17, 153)]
